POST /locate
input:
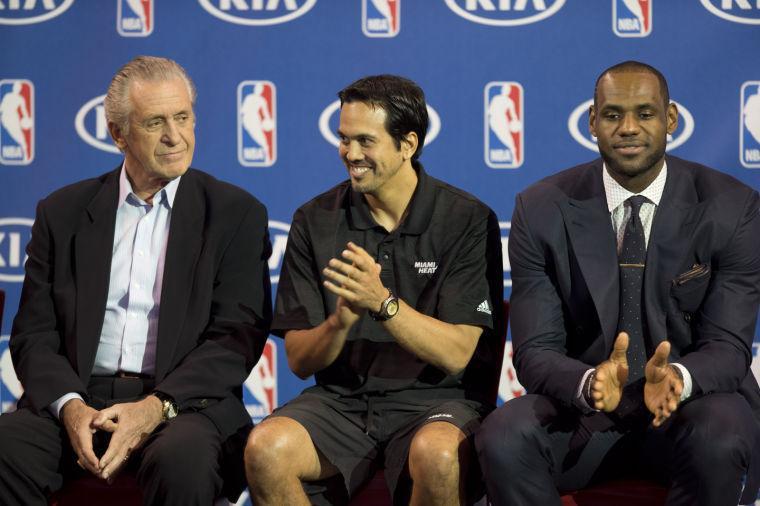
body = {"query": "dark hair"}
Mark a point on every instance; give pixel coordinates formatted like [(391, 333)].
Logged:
[(635, 66), (401, 99)]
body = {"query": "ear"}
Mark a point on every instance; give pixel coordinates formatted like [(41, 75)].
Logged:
[(117, 135), (672, 117), (409, 145), (592, 120)]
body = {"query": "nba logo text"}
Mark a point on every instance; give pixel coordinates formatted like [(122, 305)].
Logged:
[(749, 125), (381, 18), (632, 18), (134, 18), (260, 393), (503, 115), (16, 122), (257, 123)]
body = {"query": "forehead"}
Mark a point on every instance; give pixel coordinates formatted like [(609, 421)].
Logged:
[(362, 117), (159, 96), (637, 87)]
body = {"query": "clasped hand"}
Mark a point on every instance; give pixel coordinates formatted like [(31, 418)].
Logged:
[(129, 424), (356, 281), (662, 389)]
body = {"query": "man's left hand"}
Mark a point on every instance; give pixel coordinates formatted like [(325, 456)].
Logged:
[(356, 279), (663, 387), (130, 424)]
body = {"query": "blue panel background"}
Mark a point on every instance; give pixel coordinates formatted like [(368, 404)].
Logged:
[(71, 57)]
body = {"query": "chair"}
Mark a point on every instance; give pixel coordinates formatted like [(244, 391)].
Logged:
[(375, 492)]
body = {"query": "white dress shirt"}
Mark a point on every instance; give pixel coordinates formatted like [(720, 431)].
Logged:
[(620, 213), (130, 324)]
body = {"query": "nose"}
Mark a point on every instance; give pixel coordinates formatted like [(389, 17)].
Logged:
[(171, 135), (630, 124), (352, 151)]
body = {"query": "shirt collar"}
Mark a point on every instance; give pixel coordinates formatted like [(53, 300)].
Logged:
[(616, 194), (420, 207), (165, 195)]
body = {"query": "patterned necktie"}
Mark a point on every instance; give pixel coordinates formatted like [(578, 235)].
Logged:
[(632, 258)]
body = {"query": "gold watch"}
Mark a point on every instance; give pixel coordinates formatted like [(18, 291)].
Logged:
[(168, 406), (388, 308)]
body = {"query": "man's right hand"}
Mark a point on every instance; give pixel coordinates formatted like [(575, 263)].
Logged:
[(77, 418), (610, 377)]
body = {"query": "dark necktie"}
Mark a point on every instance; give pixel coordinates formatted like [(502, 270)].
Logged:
[(632, 258)]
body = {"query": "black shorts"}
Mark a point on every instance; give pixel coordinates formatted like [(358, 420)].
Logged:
[(359, 435)]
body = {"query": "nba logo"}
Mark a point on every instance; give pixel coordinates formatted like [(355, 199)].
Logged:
[(134, 18), (749, 125), (257, 123), (503, 114), (16, 121), (381, 18), (632, 18), (260, 393)]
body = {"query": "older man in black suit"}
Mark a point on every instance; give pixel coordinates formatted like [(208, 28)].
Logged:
[(145, 305)]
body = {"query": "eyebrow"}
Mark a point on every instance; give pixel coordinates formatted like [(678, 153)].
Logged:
[(366, 136)]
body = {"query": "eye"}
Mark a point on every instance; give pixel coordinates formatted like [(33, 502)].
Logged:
[(365, 142), (343, 139), (611, 116), (182, 118), (646, 115), (154, 123)]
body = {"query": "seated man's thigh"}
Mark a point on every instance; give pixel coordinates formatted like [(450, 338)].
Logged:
[(182, 459), (533, 435), (434, 447), (711, 444), (318, 438), (34, 456)]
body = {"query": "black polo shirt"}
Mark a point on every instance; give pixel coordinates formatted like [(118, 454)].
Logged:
[(444, 260)]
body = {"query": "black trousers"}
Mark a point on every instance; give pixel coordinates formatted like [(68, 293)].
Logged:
[(531, 449), (179, 464)]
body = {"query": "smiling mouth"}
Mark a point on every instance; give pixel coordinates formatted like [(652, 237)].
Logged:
[(629, 149), (358, 171)]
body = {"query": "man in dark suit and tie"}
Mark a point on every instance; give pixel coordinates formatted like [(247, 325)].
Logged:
[(636, 281), (145, 305)]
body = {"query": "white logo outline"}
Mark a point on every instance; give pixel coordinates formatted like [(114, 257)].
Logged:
[(84, 134), (218, 13), (729, 17), (15, 278), (505, 22), (39, 18), (333, 107)]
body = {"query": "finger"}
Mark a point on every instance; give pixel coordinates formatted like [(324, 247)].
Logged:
[(660, 357), (87, 457), (109, 426), (340, 291), (342, 267), (116, 451), (104, 415), (620, 348), (335, 276)]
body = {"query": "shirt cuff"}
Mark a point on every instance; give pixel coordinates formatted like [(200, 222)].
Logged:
[(55, 406), (580, 398), (687, 383)]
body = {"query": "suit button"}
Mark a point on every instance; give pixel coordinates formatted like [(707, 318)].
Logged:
[(687, 317), (579, 329), (204, 403)]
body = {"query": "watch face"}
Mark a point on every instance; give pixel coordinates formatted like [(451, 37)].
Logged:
[(392, 308)]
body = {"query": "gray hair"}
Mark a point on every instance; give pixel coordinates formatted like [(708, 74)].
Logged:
[(142, 68)]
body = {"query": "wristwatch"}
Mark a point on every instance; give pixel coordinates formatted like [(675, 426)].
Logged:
[(168, 406), (388, 308)]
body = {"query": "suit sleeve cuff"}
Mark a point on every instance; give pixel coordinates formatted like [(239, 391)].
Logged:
[(580, 399), (687, 382), (56, 405)]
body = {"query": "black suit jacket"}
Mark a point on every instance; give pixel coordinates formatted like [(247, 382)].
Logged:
[(215, 300), (565, 291)]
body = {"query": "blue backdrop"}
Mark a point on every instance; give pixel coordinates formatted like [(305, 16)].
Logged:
[(508, 83)]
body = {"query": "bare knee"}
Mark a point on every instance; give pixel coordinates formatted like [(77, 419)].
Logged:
[(438, 453), (280, 447)]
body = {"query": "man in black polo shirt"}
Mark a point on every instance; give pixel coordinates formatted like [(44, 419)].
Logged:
[(390, 294)]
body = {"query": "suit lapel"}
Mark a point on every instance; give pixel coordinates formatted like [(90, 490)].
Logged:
[(672, 230), (182, 251), (93, 247), (593, 241)]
